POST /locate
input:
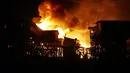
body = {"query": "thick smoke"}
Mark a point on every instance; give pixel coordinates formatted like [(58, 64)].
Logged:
[(124, 6), (87, 12), (90, 11)]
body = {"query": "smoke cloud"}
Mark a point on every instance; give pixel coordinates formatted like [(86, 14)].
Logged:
[(87, 12), (124, 9), (90, 11)]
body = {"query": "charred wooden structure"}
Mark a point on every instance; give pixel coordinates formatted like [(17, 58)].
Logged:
[(69, 48), (46, 43), (53, 48), (111, 36)]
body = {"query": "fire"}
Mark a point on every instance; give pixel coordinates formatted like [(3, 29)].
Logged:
[(62, 32), (49, 21)]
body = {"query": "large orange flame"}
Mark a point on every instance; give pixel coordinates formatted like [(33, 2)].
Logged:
[(48, 22)]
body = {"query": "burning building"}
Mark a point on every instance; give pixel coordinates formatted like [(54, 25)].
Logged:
[(53, 17), (54, 32)]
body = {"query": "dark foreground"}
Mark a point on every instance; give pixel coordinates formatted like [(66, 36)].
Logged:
[(39, 64)]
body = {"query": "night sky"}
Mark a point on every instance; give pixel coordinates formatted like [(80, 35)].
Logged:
[(19, 9)]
